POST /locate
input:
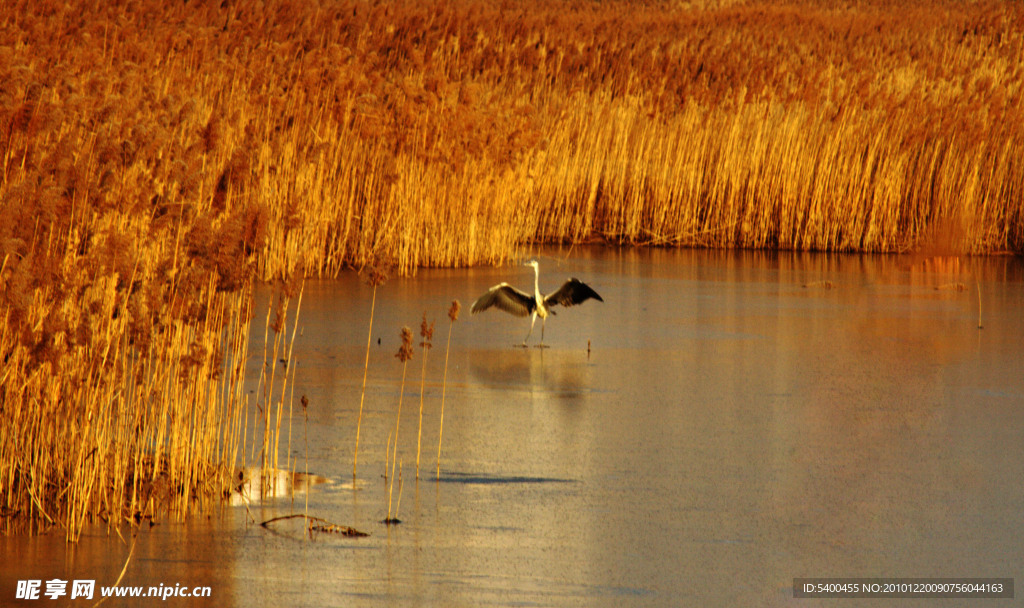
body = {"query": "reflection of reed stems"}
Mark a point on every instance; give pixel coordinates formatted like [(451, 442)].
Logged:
[(123, 570), (387, 459), (401, 484), (453, 314), (977, 285)]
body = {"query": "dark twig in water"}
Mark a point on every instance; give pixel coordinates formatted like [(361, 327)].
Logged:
[(316, 524)]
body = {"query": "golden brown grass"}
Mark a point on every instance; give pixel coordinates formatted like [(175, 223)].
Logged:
[(154, 157), (448, 133), (105, 420)]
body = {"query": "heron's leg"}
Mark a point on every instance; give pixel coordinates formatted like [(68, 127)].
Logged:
[(532, 321), (543, 324)]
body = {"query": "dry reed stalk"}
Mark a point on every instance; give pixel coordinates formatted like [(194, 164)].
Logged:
[(377, 277), (281, 351), (427, 333), (290, 367), (404, 354), (453, 316)]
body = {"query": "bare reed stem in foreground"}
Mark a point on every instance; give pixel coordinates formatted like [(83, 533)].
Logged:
[(453, 315), (283, 347), (427, 333), (377, 277), (403, 355)]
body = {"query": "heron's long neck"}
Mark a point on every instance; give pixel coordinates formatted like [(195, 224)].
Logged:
[(536, 284)]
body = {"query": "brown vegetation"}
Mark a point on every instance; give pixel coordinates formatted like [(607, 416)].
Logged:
[(154, 157)]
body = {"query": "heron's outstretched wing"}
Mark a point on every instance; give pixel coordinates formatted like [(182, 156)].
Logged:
[(507, 298), (572, 292)]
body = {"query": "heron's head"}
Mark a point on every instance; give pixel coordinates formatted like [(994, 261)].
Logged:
[(532, 263)]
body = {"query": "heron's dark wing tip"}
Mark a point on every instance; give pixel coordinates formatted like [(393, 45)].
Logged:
[(587, 291), (572, 292)]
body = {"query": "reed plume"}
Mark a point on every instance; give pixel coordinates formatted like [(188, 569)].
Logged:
[(453, 316)]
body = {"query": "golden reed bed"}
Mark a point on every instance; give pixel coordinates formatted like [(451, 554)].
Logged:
[(159, 156)]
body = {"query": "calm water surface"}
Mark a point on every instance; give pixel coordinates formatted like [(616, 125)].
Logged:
[(741, 419)]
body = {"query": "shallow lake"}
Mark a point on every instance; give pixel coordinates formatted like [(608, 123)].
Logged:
[(722, 423)]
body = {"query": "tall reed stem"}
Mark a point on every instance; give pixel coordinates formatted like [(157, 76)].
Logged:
[(453, 315), (377, 277), (403, 355), (362, 395), (427, 333)]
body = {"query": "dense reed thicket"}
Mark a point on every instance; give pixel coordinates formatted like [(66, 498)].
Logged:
[(157, 156)]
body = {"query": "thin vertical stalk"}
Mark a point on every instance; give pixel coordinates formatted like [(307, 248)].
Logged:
[(453, 315), (362, 395)]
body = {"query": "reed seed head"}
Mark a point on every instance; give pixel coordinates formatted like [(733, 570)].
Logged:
[(405, 351), (426, 332), (377, 275), (453, 312)]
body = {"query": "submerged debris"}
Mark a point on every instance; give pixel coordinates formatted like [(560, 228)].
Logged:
[(316, 524)]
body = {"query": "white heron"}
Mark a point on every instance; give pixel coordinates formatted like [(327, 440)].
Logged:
[(520, 304)]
